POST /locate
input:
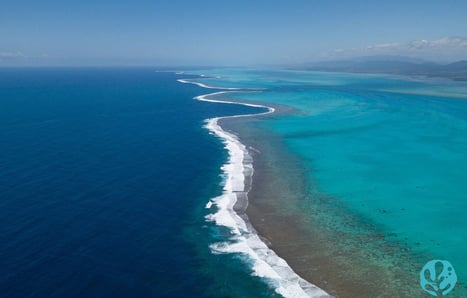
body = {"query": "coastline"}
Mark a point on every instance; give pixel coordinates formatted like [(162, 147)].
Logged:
[(322, 241), (329, 256), (232, 206)]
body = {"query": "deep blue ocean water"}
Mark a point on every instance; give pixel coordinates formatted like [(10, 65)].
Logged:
[(104, 174)]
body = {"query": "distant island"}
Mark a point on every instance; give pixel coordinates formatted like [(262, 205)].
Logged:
[(393, 65)]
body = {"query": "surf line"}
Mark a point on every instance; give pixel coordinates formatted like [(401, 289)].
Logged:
[(264, 262)]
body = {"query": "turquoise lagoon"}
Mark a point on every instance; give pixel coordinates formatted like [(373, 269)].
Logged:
[(391, 150)]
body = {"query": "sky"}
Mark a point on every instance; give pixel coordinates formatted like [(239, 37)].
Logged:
[(229, 33)]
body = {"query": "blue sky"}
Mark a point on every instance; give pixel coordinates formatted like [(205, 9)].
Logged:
[(141, 32)]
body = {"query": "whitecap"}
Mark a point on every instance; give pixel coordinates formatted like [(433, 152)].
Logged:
[(244, 240)]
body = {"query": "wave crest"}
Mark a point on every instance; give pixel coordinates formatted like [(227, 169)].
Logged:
[(244, 240)]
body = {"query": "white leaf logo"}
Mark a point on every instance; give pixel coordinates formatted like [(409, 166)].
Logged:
[(438, 278)]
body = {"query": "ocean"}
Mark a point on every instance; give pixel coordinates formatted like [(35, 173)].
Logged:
[(104, 176), (381, 163), (113, 182)]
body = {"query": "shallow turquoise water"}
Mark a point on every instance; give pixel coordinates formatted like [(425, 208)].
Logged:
[(392, 150)]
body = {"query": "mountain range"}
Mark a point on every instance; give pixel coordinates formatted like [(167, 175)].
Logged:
[(393, 65)]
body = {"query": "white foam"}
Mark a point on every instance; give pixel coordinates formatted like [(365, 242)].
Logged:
[(244, 240), (184, 81), (206, 98), (204, 85)]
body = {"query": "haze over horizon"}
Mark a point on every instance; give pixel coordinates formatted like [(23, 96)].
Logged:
[(207, 32)]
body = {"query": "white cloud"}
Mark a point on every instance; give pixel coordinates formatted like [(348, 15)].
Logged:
[(442, 43), (11, 55), (443, 49)]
